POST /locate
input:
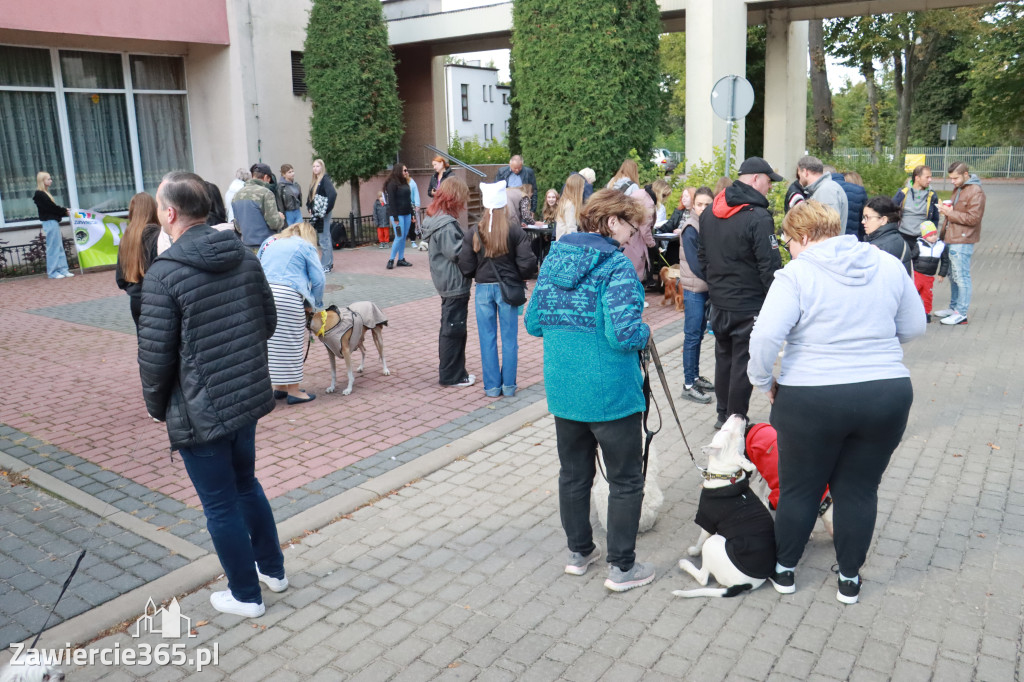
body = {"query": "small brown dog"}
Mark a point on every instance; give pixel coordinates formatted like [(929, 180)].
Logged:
[(673, 287), (343, 331)]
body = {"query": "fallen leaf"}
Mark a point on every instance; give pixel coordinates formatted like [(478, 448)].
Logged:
[(455, 664), (994, 447), (957, 454), (202, 623), (981, 535)]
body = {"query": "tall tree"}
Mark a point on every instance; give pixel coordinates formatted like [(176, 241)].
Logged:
[(753, 125), (997, 76), (356, 127), (858, 42), (820, 92), (587, 83), (943, 93), (514, 145)]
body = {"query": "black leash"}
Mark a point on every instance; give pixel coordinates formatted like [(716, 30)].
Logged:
[(646, 356), (656, 359), (62, 591)]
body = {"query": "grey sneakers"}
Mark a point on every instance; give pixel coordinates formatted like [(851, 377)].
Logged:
[(695, 394), (577, 563), (638, 576), (703, 384)]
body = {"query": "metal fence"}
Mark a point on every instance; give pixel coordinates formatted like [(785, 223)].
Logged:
[(989, 162), (30, 259)]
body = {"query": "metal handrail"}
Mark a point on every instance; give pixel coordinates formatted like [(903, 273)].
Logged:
[(453, 159)]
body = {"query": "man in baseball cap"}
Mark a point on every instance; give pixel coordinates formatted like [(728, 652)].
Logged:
[(739, 254), (255, 208)]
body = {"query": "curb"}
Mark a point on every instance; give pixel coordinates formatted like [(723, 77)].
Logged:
[(205, 567)]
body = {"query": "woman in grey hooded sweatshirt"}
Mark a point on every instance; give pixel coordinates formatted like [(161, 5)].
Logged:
[(445, 241), (841, 401)]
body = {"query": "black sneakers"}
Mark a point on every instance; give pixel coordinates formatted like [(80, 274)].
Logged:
[(391, 264), (849, 591), (703, 384), (784, 582), (402, 263)]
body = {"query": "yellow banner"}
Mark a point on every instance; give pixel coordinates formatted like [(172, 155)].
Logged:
[(97, 237), (912, 161)]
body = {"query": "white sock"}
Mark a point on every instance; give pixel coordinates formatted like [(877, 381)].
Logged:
[(779, 568), (855, 579)]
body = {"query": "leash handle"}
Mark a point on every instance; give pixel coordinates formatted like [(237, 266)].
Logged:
[(61, 595)]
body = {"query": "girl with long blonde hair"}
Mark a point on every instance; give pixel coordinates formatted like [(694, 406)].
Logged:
[(320, 203), (570, 206), (628, 170), (50, 215), (137, 250)]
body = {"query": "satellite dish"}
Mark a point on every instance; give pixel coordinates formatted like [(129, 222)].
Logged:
[(732, 98)]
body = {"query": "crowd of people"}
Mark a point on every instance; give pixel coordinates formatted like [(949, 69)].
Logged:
[(197, 265)]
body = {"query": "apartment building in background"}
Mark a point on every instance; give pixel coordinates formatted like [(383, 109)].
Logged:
[(476, 105)]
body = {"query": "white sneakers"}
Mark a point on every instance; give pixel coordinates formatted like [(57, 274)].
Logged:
[(468, 381), (274, 584), (225, 603), (62, 275), (955, 318)]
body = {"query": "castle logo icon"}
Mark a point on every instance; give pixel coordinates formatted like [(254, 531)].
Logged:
[(164, 621)]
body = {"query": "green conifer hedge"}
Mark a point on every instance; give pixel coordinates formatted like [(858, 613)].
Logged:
[(356, 126), (587, 78)]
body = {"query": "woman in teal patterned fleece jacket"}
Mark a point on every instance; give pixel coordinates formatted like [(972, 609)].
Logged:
[(587, 306)]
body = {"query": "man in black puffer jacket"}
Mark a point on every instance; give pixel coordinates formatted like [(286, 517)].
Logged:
[(739, 254), (207, 312)]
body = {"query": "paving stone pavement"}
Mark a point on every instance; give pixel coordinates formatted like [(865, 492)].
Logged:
[(91, 431), (459, 574), (40, 538)]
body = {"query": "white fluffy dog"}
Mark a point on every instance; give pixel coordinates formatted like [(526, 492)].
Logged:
[(30, 673), (653, 499), (737, 538)]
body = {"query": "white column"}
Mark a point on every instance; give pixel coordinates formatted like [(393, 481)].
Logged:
[(440, 92), (785, 104), (716, 47)]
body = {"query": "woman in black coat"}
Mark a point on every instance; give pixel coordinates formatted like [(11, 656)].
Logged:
[(137, 249), (881, 222), (399, 195), (441, 171)]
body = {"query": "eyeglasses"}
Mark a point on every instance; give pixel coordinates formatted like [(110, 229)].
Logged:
[(868, 216), (633, 229), (785, 239), (405, 171)]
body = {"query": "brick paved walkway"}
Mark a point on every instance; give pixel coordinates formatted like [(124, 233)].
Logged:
[(459, 574)]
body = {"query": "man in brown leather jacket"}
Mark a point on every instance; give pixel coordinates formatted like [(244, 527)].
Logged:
[(961, 231)]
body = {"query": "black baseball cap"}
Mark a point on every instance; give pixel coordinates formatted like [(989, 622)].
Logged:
[(755, 164), (262, 169)]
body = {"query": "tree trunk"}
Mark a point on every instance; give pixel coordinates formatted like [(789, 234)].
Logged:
[(820, 93), (353, 184), (867, 69), (902, 89)]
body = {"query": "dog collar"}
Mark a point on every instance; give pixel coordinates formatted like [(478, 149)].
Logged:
[(732, 478)]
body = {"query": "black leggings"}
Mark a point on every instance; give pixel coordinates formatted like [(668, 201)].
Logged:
[(841, 436)]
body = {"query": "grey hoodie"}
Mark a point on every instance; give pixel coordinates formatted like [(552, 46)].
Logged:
[(829, 192), (843, 308), (444, 239)]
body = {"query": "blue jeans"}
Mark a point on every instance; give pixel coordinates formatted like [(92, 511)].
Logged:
[(621, 444), (238, 514), (695, 320), (492, 312), (960, 277), (401, 230), (292, 217), (56, 260), (326, 245)]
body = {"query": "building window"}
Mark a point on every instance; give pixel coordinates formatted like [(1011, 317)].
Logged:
[(298, 75), (105, 125), (504, 98), (490, 93), (465, 102)]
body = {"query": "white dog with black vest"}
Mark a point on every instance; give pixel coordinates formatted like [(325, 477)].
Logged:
[(737, 538)]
